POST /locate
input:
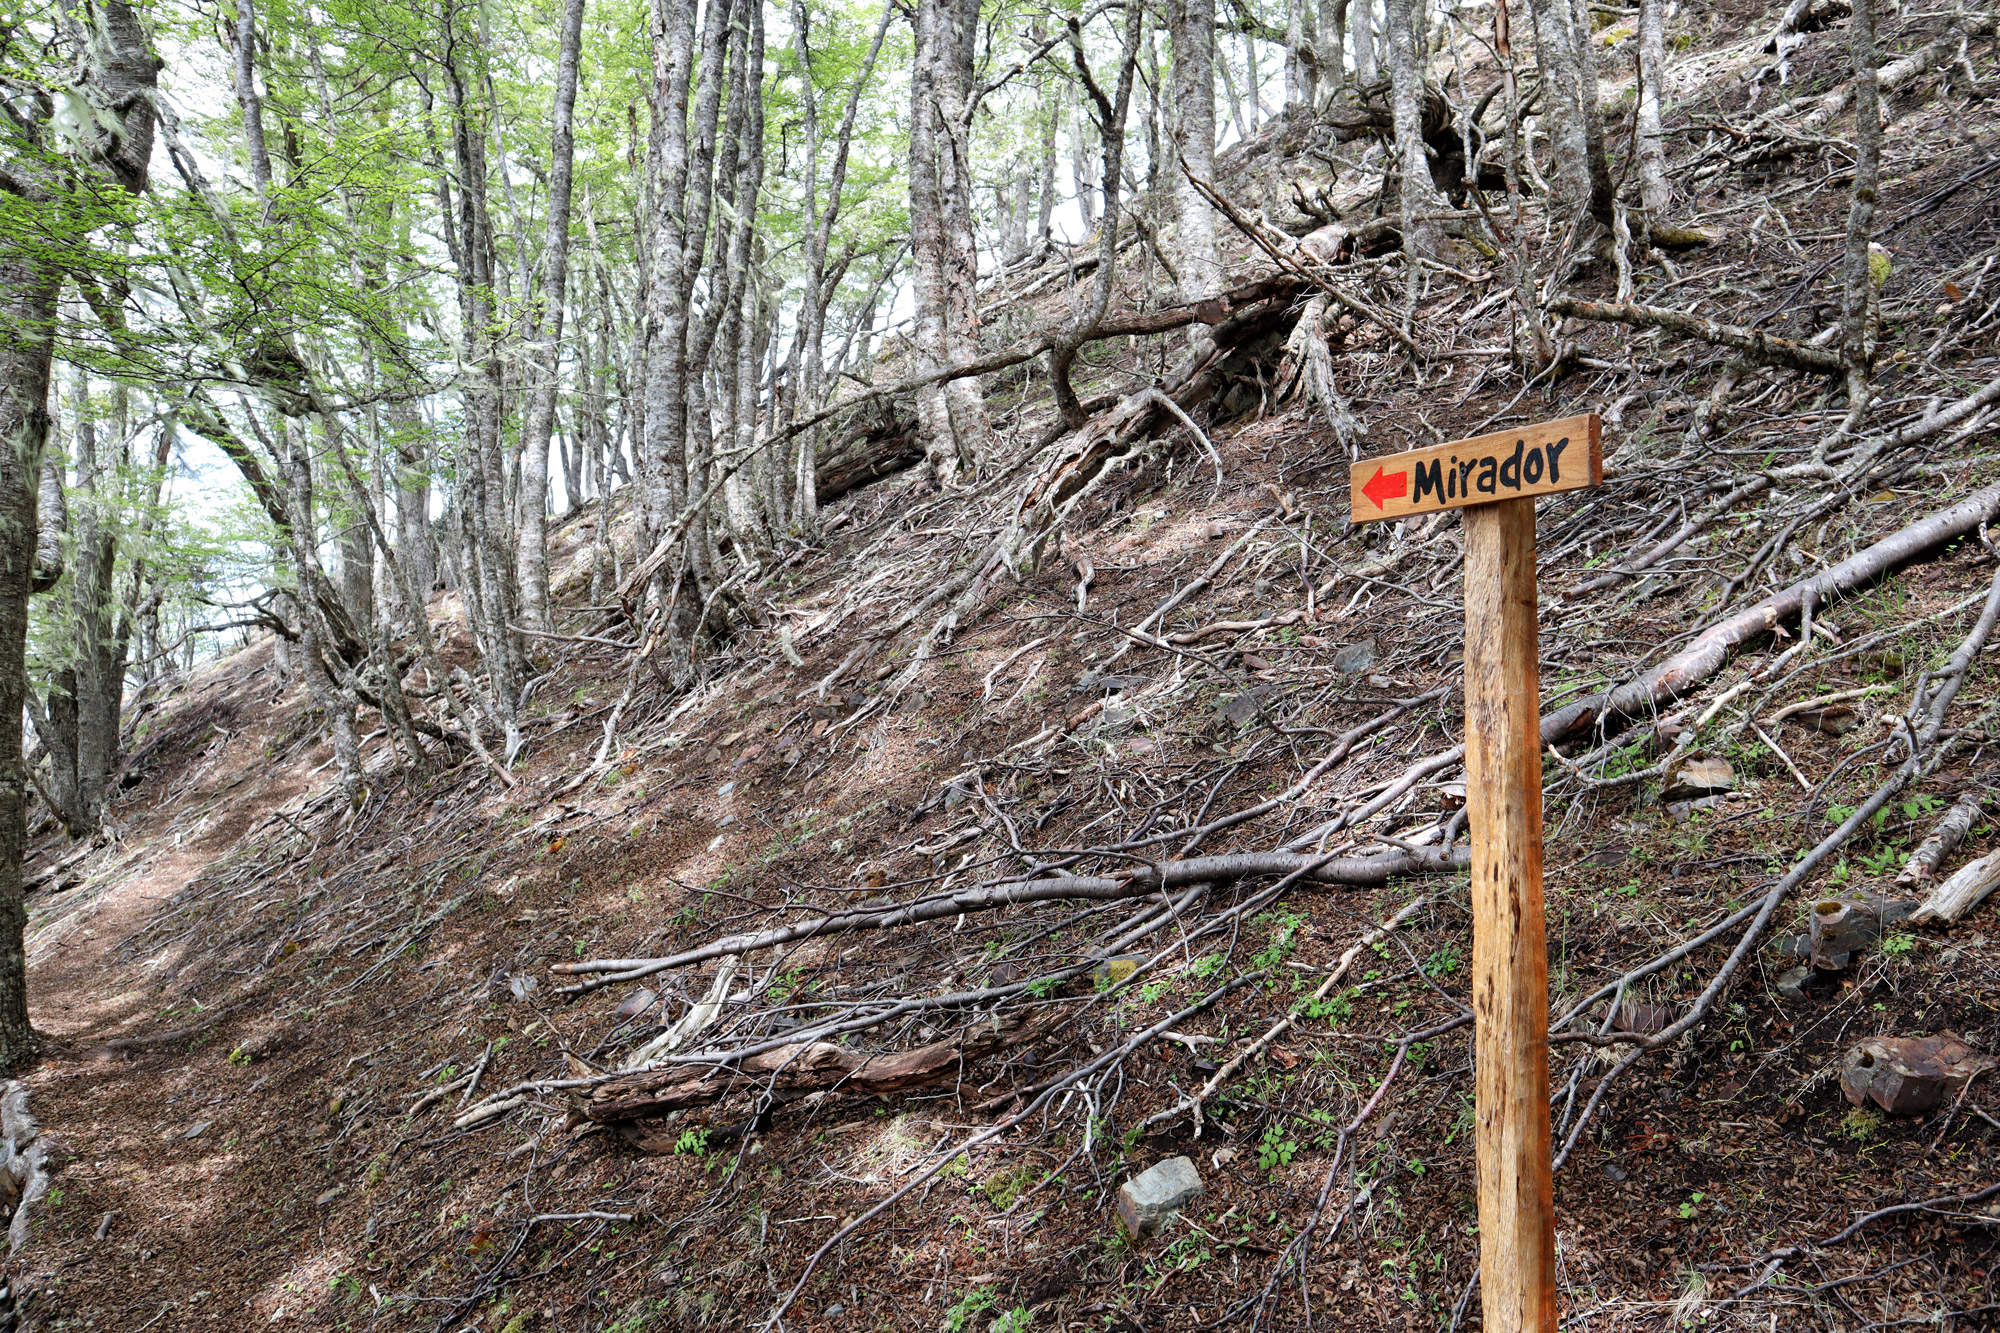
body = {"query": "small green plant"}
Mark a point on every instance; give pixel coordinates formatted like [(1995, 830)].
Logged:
[(1916, 807), (1882, 862), (691, 1143), (1336, 1007), (239, 1057), (1861, 1124), (1016, 1320), (969, 1307), (1443, 963), (1687, 1209), (1898, 946), (1275, 1150)]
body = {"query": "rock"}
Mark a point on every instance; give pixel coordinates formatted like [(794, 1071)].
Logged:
[(1242, 709), (1699, 776), (1909, 1075), (1355, 658), (1681, 811), (1842, 925), (1154, 1196), (1642, 1020), (1792, 984), (835, 1311), (635, 1004), (194, 1131), (1114, 970)]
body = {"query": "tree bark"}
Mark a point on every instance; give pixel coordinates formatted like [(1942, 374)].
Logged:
[(533, 553), (1194, 138), (957, 434), (115, 71), (1418, 193), (1654, 190)]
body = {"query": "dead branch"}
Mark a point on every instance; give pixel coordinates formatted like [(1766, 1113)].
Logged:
[(1706, 655), (1760, 347), (791, 1072), (1354, 871)]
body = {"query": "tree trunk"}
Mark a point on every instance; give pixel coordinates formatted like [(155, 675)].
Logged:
[(1194, 139), (1859, 283), (115, 70), (1333, 49), (957, 434), (1301, 68), (1654, 191), (1361, 34), (1570, 109), (1418, 191), (532, 549)]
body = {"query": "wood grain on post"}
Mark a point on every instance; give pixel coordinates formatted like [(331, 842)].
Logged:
[(1510, 965)]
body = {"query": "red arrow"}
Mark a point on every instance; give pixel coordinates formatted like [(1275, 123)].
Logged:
[(1392, 487)]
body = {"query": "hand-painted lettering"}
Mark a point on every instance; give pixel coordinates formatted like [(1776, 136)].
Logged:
[(1521, 461), (1430, 480)]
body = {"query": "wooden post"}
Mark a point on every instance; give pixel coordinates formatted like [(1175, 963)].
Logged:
[(1494, 479), (1510, 963)]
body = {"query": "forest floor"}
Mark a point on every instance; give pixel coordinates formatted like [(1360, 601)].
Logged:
[(250, 998)]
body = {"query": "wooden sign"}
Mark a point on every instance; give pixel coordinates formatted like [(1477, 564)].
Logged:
[(1496, 478), (1542, 459)]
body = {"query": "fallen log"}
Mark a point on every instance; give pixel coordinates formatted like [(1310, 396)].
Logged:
[(1943, 840), (1962, 892), (791, 1072), (1352, 871), (1682, 673)]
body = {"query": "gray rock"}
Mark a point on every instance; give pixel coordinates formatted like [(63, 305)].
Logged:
[(1703, 775), (1242, 708), (1792, 985), (1355, 658), (1681, 811), (1156, 1195)]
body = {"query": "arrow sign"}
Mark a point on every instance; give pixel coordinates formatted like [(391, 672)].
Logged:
[(1394, 486), (1542, 459)]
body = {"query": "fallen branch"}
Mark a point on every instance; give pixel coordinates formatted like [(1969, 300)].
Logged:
[(1353, 871), (791, 1072), (1761, 347), (1686, 670)]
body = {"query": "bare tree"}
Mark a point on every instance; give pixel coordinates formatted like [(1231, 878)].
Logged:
[(952, 416), (114, 71), (532, 545), (1194, 139), (1654, 191)]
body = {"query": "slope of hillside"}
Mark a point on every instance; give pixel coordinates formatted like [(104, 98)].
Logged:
[(358, 1070)]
